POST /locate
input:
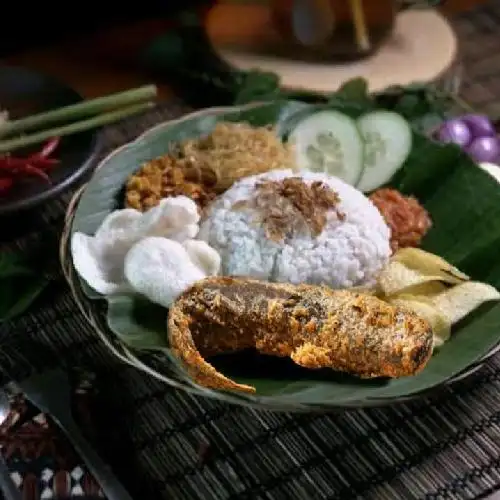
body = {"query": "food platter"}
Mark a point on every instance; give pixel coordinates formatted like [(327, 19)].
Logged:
[(135, 331)]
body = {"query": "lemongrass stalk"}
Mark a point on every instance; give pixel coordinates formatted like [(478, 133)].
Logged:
[(73, 128), (78, 111), (360, 29)]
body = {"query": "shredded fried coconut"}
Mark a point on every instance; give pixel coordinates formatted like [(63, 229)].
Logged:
[(292, 205), (201, 168), (236, 150)]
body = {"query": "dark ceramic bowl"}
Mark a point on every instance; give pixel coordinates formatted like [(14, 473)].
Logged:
[(24, 92)]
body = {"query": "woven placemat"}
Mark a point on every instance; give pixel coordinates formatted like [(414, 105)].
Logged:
[(184, 447)]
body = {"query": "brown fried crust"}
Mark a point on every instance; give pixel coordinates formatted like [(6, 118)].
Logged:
[(315, 326)]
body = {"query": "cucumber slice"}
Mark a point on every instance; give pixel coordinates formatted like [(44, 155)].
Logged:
[(329, 142), (388, 140)]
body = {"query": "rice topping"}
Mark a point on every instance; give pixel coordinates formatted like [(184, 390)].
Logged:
[(290, 204)]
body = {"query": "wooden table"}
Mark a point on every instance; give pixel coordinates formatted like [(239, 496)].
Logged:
[(87, 64)]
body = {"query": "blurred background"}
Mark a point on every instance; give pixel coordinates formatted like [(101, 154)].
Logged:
[(38, 23), (116, 27), (95, 46)]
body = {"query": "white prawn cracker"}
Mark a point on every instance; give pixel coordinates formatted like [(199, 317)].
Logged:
[(161, 269), (99, 259), (174, 218), (203, 256), (98, 272)]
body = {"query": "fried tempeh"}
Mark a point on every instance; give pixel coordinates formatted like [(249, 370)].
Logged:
[(315, 326)]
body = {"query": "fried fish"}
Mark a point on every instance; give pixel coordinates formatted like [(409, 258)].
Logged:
[(315, 326)]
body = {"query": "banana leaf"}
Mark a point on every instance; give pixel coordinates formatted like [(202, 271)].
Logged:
[(464, 203)]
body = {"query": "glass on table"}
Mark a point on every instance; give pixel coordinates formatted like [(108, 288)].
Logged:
[(317, 30)]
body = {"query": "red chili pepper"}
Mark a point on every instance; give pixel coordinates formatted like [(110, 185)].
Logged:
[(30, 169), (9, 163), (44, 162), (48, 149), (33, 166), (5, 184), (16, 167)]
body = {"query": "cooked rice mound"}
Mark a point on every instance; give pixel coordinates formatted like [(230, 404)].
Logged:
[(341, 242)]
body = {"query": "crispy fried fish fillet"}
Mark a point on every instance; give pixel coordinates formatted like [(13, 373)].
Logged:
[(315, 326)]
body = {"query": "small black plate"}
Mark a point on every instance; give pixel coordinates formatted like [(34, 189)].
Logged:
[(24, 92)]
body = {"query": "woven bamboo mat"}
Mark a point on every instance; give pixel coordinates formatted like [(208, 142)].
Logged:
[(183, 447)]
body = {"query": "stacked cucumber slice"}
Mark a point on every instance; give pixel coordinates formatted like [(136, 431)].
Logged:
[(365, 153)]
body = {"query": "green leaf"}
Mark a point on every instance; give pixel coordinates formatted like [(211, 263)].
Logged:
[(20, 285), (464, 203), (257, 86), (141, 325), (138, 322), (355, 90), (17, 294), (423, 105), (13, 264), (305, 96)]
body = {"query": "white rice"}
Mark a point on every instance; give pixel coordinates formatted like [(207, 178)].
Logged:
[(347, 253)]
